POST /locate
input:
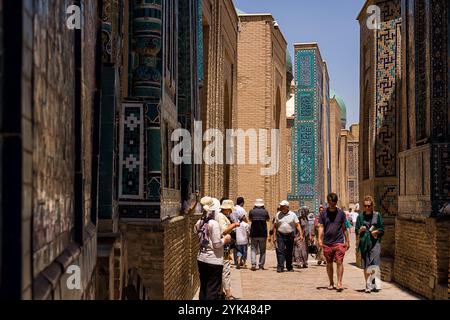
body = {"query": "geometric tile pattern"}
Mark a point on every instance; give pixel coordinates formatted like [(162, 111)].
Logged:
[(420, 69), (131, 152), (388, 63), (440, 178), (306, 100), (386, 199), (140, 134), (306, 147), (352, 165), (305, 154), (440, 86)]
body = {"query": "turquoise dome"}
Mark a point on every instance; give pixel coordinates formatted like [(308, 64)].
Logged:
[(342, 106)]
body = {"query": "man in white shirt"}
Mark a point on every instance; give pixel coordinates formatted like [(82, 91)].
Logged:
[(285, 224), (239, 213)]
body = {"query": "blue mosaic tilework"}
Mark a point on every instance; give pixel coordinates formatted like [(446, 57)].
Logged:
[(388, 62), (306, 147), (306, 100), (305, 69), (305, 154), (147, 45)]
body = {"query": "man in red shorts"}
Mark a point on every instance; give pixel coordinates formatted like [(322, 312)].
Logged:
[(334, 239)]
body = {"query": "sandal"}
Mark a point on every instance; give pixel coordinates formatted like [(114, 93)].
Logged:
[(340, 289), (331, 287)]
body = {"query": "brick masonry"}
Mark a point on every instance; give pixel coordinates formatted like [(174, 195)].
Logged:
[(262, 75), (166, 256), (51, 128), (421, 255)]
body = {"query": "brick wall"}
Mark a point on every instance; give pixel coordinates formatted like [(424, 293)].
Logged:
[(261, 73), (166, 257), (220, 63), (53, 139), (422, 255)]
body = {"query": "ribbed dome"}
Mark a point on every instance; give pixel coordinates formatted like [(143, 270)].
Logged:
[(342, 106)]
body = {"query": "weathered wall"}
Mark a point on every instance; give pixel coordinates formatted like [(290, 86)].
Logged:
[(219, 91), (53, 144), (166, 257), (421, 262)]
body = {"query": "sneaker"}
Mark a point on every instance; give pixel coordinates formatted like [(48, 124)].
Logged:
[(253, 268), (290, 270), (280, 270), (261, 268), (367, 290)]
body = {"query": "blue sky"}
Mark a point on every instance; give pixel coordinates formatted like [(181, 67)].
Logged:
[(330, 23)]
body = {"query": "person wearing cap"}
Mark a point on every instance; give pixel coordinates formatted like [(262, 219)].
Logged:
[(285, 224), (258, 233), (210, 255), (227, 227)]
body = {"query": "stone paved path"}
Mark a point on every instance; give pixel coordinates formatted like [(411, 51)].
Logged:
[(308, 284)]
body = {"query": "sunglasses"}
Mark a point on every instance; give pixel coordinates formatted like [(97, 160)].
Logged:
[(365, 206)]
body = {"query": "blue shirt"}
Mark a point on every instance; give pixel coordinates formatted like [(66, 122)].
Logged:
[(334, 226)]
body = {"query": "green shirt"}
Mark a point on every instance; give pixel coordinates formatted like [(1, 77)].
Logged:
[(366, 240)]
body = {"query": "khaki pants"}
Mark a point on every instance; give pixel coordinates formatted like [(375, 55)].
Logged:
[(226, 274)]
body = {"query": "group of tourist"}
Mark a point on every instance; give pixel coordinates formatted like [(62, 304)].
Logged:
[(226, 230)]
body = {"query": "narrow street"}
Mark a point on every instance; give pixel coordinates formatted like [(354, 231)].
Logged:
[(127, 126), (308, 284)]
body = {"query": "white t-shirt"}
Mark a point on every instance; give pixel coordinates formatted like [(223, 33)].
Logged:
[(211, 254), (240, 212), (286, 222), (242, 234)]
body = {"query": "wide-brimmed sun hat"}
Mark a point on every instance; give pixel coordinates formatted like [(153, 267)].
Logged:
[(210, 204), (259, 203), (206, 201), (284, 203), (227, 205)]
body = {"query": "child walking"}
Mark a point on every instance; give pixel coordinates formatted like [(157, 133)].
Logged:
[(242, 236)]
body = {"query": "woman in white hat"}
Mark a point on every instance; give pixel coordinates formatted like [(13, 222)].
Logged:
[(210, 256)]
